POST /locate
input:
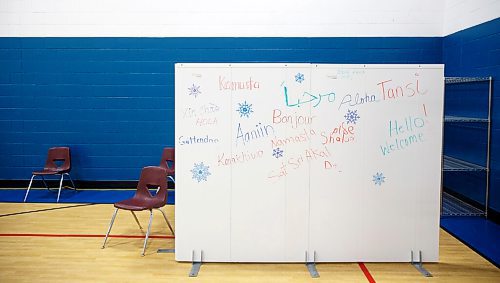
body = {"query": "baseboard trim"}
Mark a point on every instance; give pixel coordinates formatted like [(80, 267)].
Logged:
[(82, 184)]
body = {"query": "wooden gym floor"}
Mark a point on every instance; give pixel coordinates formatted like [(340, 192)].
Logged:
[(62, 243)]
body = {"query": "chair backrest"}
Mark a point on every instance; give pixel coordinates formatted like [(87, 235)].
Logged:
[(153, 176), (58, 159), (168, 158)]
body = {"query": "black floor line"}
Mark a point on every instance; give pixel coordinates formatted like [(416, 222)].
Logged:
[(47, 209)]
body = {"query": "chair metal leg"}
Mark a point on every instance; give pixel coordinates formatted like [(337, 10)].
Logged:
[(60, 187), (172, 178), (29, 187), (45, 183), (74, 187), (147, 233), (110, 225), (166, 219), (136, 220)]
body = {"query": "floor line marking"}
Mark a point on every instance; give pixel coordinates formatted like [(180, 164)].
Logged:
[(366, 272), (45, 209), (83, 236)]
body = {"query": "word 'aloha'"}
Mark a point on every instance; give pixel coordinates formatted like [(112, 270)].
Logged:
[(358, 99)]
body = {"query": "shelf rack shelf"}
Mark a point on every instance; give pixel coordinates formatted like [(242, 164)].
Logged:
[(459, 80), (457, 119), (452, 164)]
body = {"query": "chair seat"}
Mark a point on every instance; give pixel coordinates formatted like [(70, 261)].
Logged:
[(170, 171), (49, 172), (138, 204)]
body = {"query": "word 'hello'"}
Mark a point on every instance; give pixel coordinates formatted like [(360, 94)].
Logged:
[(404, 134)]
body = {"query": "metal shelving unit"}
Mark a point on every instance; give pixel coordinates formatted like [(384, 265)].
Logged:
[(452, 206), (455, 164)]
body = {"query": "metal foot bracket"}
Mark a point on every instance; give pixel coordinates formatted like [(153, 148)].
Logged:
[(160, 251), (196, 265), (311, 266), (418, 265)]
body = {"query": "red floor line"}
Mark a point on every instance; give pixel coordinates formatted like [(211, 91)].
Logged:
[(366, 272), (85, 236)]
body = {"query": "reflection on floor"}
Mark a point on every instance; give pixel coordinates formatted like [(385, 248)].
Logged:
[(479, 234)]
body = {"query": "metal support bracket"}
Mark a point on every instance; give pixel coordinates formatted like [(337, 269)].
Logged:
[(418, 265), (311, 266), (170, 251), (196, 265)]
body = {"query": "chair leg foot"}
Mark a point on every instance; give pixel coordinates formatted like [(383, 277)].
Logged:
[(147, 233), (110, 226), (60, 187), (29, 187)]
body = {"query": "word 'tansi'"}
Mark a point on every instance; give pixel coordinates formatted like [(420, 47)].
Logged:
[(390, 90)]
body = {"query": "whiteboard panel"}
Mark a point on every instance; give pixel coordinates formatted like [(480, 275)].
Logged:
[(202, 140), (258, 210), (341, 162)]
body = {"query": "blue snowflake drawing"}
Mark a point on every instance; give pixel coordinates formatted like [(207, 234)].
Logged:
[(200, 172), (299, 77), (378, 178), (194, 90), (244, 109), (351, 116), (277, 152)]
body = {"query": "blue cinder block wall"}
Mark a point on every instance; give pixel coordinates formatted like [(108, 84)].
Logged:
[(112, 99), (474, 52)]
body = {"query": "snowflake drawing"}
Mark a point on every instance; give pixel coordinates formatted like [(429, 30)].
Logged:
[(244, 109), (351, 116), (299, 77), (194, 90), (200, 172), (378, 178), (277, 152)]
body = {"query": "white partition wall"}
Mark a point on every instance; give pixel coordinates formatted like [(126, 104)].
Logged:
[(276, 161)]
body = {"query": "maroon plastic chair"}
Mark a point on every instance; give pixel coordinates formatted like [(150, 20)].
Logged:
[(58, 163), (143, 200), (167, 162)]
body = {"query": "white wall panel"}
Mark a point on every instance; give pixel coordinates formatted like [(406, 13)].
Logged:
[(462, 14), (198, 18)]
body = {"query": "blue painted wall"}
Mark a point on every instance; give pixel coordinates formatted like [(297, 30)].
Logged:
[(112, 99), (473, 52)]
